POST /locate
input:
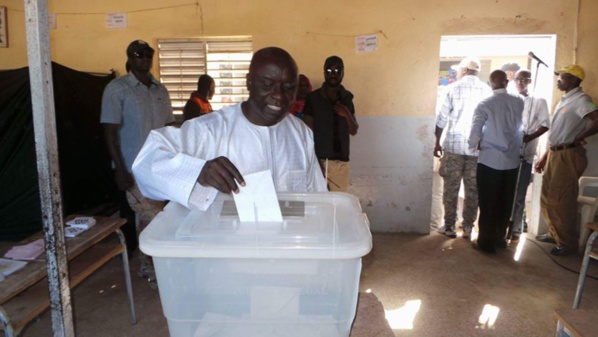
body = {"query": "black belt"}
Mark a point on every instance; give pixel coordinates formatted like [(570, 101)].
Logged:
[(562, 147)]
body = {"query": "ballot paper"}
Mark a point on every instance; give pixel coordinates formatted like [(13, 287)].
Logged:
[(29, 251), (8, 267), (257, 201)]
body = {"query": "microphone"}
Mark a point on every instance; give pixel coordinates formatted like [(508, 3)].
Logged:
[(533, 56)]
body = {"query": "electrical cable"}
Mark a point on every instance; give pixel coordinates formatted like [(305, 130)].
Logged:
[(559, 264)]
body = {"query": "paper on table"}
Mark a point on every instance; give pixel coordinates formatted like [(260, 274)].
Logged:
[(8, 267), (26, 252), (257, 201)]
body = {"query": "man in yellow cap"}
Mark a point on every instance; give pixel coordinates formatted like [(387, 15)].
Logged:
[(575, 118)]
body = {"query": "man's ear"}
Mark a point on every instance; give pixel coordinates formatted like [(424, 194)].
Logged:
[(248, 81)]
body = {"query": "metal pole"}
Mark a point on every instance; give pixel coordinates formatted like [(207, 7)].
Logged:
[(44, 122)]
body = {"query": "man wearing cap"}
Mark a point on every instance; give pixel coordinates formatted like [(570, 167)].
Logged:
[(132, 106), (457, 161), (575, 119), (330, 113)]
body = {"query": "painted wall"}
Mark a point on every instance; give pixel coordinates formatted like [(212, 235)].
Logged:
[(586, 51), (395, 87)]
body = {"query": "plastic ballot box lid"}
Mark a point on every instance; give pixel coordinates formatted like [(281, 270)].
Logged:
[(322, 225)]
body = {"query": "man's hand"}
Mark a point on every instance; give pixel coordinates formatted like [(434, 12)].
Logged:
[(539, 167), (123, 179), (527, 138), (579, 142), (221, 174), (438, 152), (341, 110)]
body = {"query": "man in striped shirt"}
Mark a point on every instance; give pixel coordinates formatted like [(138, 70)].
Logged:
[(458, 162)]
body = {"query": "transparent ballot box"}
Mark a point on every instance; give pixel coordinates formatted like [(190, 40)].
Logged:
[(221, 277)]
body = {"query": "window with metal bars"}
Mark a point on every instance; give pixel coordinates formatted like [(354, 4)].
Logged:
[(225, 59)]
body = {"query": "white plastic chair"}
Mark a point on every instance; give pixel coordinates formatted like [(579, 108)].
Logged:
[(588, 206), (575, 321)]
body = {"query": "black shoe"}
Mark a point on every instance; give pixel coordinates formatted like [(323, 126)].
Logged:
[(560, 251), (489, 250), (545, 238), (502, 244)]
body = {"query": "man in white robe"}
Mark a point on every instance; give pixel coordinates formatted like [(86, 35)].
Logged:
[(212, 153)]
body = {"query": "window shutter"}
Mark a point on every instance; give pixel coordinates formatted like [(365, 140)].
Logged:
[(226, 59)]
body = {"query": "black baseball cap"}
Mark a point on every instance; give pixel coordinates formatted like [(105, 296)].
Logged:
[(138, 46), (334, 60)]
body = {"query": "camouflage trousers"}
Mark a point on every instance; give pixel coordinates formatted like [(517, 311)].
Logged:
[(453, 169)]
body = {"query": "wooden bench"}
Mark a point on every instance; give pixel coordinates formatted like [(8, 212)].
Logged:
[(24, 294), (578, 322)]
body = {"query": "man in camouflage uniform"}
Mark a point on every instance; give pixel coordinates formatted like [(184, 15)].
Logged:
[(457, 161)]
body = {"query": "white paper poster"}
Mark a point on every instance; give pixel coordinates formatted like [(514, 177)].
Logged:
[(366, 43), (116, 20)]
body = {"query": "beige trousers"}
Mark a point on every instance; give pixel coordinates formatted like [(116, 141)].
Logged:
[(145, 210), (559, 194), (336, 173)]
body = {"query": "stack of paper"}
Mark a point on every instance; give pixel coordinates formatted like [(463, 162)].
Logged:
[(85, 222), (78, 225), (8, 267), (71, 232), (29, 251)]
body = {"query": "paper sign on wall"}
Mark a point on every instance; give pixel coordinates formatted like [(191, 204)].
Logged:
[(116, 20), (366, 43)]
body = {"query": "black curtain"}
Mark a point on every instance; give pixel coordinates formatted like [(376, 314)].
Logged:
[(84, 162)]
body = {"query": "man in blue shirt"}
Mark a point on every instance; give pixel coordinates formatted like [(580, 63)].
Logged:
[(497, 132), (132, 106)]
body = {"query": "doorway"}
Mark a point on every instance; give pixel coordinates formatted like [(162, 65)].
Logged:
[(493, 52)]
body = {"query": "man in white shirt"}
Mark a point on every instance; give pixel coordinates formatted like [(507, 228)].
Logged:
[(536, 121), (496, 131), (575, 119), (212, 153), (457, 161)]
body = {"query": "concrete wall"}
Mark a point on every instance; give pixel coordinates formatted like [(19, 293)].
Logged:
[(395, 87)]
